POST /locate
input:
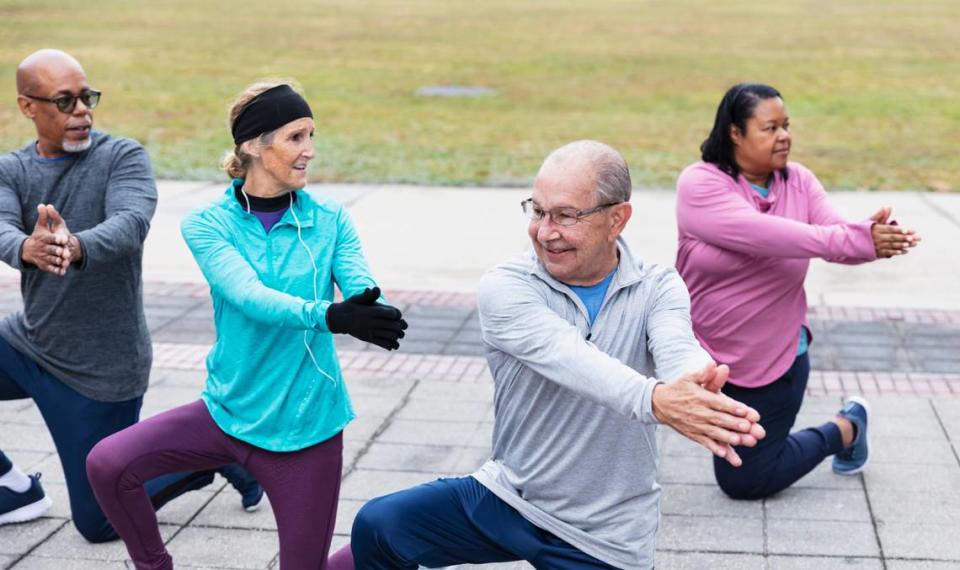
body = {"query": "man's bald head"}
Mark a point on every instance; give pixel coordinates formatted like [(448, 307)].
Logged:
[(601, 162), (41, 66), (51, 89)]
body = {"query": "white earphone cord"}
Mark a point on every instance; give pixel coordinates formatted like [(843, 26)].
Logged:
[(316, 294)]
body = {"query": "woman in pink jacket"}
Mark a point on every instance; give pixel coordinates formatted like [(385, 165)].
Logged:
[(749, 222)]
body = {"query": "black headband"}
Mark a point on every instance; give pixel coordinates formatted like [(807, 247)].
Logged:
[(269, 111)]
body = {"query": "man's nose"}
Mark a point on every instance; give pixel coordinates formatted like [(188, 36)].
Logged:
[(79, 108), (547, 230)]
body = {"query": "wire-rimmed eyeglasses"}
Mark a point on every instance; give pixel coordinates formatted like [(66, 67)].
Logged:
[(560, 216)]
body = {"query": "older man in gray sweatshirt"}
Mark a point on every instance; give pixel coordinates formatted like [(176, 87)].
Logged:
[(580, 334), (75, 208)]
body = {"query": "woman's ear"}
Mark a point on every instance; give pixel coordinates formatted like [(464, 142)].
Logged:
[(735, 134), (251, 147)]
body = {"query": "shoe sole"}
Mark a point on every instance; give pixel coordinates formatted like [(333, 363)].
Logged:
[(866, 406), (27, 512)]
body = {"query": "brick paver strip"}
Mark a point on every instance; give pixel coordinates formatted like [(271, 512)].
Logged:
[(473, 369)]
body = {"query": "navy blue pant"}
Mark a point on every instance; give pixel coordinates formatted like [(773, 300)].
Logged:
[(780, 458), (76, 424), (454, 521)]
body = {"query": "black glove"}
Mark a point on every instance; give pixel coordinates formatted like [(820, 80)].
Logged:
[(362, 317)]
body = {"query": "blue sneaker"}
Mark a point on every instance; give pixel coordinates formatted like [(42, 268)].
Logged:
[(853, 459), (251, 493), (21, 507)]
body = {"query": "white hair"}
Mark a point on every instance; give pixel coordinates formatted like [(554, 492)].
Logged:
[(610, 170)]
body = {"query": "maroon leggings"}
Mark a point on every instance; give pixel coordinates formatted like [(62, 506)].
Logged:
[(303, 486)]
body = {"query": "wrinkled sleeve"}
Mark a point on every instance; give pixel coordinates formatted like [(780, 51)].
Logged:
[(670, 336), (233, 279), (12, 232), (350, 269), (822, 213), (131, 198), (515, 319), (710, 210)]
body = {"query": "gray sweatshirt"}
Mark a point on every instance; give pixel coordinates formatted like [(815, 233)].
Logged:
[(574, 441), (86, 328)]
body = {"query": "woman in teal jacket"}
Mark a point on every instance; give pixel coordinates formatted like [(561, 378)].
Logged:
[(275, 400)]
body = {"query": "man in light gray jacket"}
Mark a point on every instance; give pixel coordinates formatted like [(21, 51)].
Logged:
[(579, 335)]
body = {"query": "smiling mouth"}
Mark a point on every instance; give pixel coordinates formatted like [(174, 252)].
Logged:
[(556, 251)]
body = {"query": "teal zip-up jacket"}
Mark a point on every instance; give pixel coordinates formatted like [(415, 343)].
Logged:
[(262, 386)]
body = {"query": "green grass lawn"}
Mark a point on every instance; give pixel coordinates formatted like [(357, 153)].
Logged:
[(873, 86)]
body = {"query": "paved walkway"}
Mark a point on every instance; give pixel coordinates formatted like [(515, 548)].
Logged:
[(425, 411)]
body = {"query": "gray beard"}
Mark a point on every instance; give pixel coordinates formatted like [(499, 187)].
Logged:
[(77, 146)]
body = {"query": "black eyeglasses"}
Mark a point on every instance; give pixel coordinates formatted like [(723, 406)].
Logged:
[(67, 103), (560, 216)]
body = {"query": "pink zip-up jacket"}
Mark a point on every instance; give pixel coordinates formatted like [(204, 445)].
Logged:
[(744, 258)]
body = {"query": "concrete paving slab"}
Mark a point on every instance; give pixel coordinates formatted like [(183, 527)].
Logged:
[(430, 433), (701, 534), (911, 451), (418, 458), (676, 444), (823, 563), (233, 548), (688, 470), (823, 477), (375, 407), (898, 564), (917, 505), (184, 508), (822, 538), (441, 391), (57, 492), (225, 511), (21, 437), (705, 500), (708, 561), (898, 407), (17, 539), (895, 476), (918, 540), (68, 540), (51, 468), (465, 411), (366, 484), (27, 460), (921, 426), (819, 504), (41, 563)]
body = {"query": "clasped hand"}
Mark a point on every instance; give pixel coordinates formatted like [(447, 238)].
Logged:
[(51, 246), (362, 317), (889, 239), (694, 406)]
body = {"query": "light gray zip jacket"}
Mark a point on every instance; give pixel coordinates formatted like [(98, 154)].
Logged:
[(574, 443)]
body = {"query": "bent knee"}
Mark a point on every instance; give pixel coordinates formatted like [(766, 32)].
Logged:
[(101, 463), (94, 528), (745, 487), (105, 463), (375, 520)]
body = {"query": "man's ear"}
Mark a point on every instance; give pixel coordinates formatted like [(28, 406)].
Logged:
[(619, 216), (26, 107)]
